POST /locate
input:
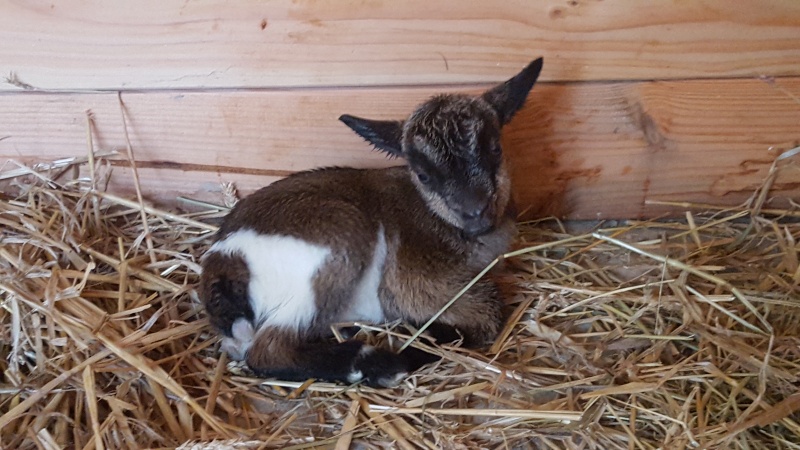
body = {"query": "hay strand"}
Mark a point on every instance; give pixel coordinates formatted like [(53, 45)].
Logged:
[(670, 334)]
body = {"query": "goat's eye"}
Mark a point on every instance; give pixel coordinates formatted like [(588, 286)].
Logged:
[(423, 177), (495, 150)]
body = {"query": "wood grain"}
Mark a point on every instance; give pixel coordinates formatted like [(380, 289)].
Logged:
[(155, 44), (591, 150)]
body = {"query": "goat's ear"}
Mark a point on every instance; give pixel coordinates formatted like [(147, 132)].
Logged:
[(385, 135), (509, 97)]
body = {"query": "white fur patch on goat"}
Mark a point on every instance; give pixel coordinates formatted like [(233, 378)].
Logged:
[(366, 305), (236, 347), (282, 269), (392, 380), (355, 376)]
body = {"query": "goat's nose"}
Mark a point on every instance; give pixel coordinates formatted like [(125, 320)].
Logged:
[(475, 213), (476, 220)]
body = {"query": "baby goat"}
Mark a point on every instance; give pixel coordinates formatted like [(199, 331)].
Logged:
[(340, 244)]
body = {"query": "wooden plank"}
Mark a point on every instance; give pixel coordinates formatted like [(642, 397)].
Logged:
[(79, 44), (191, 184), (594, 150)]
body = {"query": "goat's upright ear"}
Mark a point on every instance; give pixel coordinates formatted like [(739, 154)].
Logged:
[(385, 135), (508, 98)]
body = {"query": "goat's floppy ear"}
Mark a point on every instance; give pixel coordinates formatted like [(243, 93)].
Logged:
[(508, 98), (385, 135)]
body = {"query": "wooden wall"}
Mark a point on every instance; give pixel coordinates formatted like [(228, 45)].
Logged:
[(639, 100)]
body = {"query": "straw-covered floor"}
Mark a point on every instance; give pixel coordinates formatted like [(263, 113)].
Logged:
[(635, 335)]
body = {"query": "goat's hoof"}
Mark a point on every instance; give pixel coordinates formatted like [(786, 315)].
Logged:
[(378, 368)]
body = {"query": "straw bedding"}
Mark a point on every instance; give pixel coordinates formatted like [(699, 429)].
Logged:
[(635, 335)]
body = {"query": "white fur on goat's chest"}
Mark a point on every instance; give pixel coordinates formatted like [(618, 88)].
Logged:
[(282, 273)]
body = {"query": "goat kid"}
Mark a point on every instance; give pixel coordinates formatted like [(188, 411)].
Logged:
[(339, 245)]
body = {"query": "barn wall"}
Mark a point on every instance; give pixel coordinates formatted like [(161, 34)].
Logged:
[(658, 100)]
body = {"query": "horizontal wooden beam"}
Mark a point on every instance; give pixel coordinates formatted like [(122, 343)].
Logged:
[(593, 150), (155, 44)]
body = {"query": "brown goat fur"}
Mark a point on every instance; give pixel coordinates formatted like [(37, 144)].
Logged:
[(381, 244)]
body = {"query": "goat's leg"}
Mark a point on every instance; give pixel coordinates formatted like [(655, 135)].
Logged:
[(475, 319), (477, 315), (280, 354), (223, 291)]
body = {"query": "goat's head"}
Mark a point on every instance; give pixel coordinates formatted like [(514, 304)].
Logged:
[(452, 146)]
